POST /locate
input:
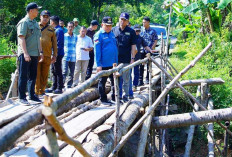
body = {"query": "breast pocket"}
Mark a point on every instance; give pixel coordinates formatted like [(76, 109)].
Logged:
[(30, 30)]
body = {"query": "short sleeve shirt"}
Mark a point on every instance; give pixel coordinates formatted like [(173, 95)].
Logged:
[(83, 42), (149, 35), (31, 31), (76, 30), (125, 39), (70, 47)]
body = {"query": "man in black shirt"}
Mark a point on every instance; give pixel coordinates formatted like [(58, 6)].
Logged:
[(90, 33), (126, 42)]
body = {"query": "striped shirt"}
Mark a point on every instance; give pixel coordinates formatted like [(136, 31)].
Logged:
[(70, 47)]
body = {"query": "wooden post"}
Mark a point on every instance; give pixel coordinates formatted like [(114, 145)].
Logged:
[(117, 108), (226, 139), (169, 25), (158, 100), (147, 123), (204, 94), (210, 131), (191, 128), (13, 80), (164, 147)]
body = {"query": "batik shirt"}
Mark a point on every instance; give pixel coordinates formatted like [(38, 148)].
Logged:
[(149, 35)]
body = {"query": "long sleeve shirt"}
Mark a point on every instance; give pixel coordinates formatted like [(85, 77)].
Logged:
[(60, 40), (105, 48)]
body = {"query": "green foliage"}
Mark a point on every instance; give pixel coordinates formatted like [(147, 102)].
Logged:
[(215, 63), (8, 66), (223, 4)]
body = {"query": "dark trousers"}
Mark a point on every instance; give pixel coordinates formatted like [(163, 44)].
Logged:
[(141, 70), (90, 65), (27, 76), (57, 77), (71, 66), (102, 83), (136, 75)]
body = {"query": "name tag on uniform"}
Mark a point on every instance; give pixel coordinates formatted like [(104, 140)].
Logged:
[(105, 38), (127, 33)]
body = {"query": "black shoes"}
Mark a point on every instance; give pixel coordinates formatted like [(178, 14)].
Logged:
[(57, 91), (106, 102), (35, 98)]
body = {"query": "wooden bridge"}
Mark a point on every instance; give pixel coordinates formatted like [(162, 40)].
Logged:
[(75, 123)]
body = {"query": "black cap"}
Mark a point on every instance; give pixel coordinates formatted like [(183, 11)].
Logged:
[(125, 16), (107, 20), (137, 27), (45, 12), (32, 5), (94, 22)]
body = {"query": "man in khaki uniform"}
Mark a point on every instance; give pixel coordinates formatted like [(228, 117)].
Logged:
[(29, 48), (76, 26), (49, 43)]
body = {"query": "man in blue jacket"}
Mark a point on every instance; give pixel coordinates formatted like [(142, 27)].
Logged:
[(106, 56)]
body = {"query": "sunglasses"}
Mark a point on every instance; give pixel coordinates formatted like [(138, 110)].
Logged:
[(138, 31)]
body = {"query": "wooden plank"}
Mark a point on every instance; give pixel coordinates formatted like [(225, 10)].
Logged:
[(77, 126)]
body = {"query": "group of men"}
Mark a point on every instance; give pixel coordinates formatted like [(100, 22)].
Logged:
[(70, 51)]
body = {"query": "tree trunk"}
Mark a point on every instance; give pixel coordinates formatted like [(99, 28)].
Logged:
[(210, 20), (193, 118)]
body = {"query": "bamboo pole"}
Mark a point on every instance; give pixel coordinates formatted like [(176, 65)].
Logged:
[(12, 84), (188, 94), (158, 100), (117, 109), (192, 118), (210, 128), (147, 122), (191, 128), (211, 81), (52, 120), (12, 132), (226, 140)]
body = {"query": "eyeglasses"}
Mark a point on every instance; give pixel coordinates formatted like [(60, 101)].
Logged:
[(138, 31)]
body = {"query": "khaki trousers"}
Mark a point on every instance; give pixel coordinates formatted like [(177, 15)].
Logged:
[(80, 67), (42, 75)]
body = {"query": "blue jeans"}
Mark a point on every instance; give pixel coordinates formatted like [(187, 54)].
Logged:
[(71, 66), (27, 76)]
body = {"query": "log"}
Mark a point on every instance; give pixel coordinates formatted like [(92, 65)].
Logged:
[(53, 121), (193, 118), (29, 118), (211, 81), (191, 129), (158, 100), (7, 56), (210, 128), (100, 142)]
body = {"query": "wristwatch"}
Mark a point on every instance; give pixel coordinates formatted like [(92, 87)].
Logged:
[(132, 58)]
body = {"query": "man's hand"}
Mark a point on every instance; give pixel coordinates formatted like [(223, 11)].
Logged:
[(99, 69), (153, 51), (53, 59), (132, 61), (41, 58), (27, 57)]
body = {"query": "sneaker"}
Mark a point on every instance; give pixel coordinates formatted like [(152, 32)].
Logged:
[(107, 102), (147, 82), (35, 98), (24, 101), (42, 95), (125, 99), (57, 91), (48, 90), (131, 97)]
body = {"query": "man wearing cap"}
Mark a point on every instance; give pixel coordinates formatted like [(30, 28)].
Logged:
[(151, 38), (126, 42), (84, 45), (106, 54), (57, 77), (49, 46), (140, 44), (90, 33), (61, 23), (29, 48), (76, 26), (69, 60)]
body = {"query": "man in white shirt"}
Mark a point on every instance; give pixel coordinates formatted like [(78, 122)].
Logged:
[(84, 45)]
